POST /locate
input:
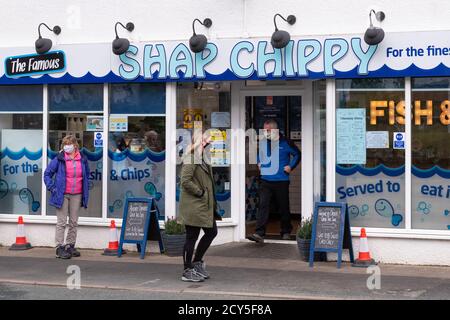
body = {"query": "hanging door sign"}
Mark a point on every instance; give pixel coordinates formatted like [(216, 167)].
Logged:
[(35, 64), (136, 221), (330, 230)]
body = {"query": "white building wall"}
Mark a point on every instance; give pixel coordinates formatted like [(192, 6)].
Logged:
[(89, 236), (86, 21)]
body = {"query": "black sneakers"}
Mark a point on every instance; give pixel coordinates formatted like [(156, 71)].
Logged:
[(256, 237), (70, 248), (62, 253)]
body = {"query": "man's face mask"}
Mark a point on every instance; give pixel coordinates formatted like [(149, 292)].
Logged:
[(272, 134)]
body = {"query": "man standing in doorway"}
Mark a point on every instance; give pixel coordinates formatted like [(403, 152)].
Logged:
[(275, 181)]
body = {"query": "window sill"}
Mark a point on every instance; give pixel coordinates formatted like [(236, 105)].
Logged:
[(84, 221), (403, 233)]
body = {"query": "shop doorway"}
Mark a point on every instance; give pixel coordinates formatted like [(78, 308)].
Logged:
[(286, 110)]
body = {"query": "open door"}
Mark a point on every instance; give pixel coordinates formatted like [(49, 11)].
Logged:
[(286, 110)]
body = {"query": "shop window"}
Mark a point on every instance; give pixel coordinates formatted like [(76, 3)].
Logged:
[(430, 180), (138, 98), (21, 149), (77, 109), (370, 171), (208, 105), (136, 151)]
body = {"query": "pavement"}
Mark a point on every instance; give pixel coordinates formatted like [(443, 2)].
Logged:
[(241, 270)]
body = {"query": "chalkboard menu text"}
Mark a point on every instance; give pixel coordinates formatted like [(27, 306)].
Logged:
[(138, 213), (331, 226)]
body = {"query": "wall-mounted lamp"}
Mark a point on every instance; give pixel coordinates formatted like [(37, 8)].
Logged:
[(121, 45), (44, 45), (198, 42), (374, 35), (281, 38)]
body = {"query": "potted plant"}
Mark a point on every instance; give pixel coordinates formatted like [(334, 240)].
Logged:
[(173, 237), (304, 235)]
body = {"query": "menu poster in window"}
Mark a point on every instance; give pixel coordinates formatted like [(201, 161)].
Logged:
[(377, 139), (118, 123), (351, 136)]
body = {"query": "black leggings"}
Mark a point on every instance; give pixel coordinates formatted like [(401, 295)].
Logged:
[(192, 234)]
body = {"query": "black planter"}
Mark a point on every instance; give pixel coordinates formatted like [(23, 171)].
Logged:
[(303, 248), (173, 243)]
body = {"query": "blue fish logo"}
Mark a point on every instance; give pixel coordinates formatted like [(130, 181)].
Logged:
[(385, 209)]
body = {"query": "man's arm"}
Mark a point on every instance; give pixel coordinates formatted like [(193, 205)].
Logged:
[(295, 153)]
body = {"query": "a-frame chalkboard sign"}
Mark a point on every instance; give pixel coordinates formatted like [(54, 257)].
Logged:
[(330, 230), (137, 216)]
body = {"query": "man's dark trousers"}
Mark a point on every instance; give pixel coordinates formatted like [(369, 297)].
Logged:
[(280, 191)]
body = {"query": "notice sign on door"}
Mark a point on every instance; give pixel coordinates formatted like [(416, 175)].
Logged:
[(351, 136), (98, 140)]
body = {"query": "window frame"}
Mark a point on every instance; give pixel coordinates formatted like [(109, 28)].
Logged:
[(406, 232)]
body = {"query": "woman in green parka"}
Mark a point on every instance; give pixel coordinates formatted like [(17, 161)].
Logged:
[(198, 208)]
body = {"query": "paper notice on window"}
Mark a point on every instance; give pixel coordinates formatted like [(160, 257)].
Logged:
[(377, 139), (94, 123), (118, 123), (351, 136), (220, 120)]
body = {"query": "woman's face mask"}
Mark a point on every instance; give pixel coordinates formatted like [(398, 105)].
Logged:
[(68, 148)]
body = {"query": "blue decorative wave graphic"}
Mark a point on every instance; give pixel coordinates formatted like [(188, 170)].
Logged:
[(369, 172), (228, 75), (137, 156), (17, 155), (393, 172), (427, 173), (90, 155)]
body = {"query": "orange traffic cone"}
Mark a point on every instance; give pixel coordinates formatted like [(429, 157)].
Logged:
[(113, 245), (21, 239), (364, 259)]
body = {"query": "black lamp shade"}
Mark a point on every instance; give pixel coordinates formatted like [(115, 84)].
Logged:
[(120, 46), (43, 45), (280, 39), (198, 42), (373, 35)]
